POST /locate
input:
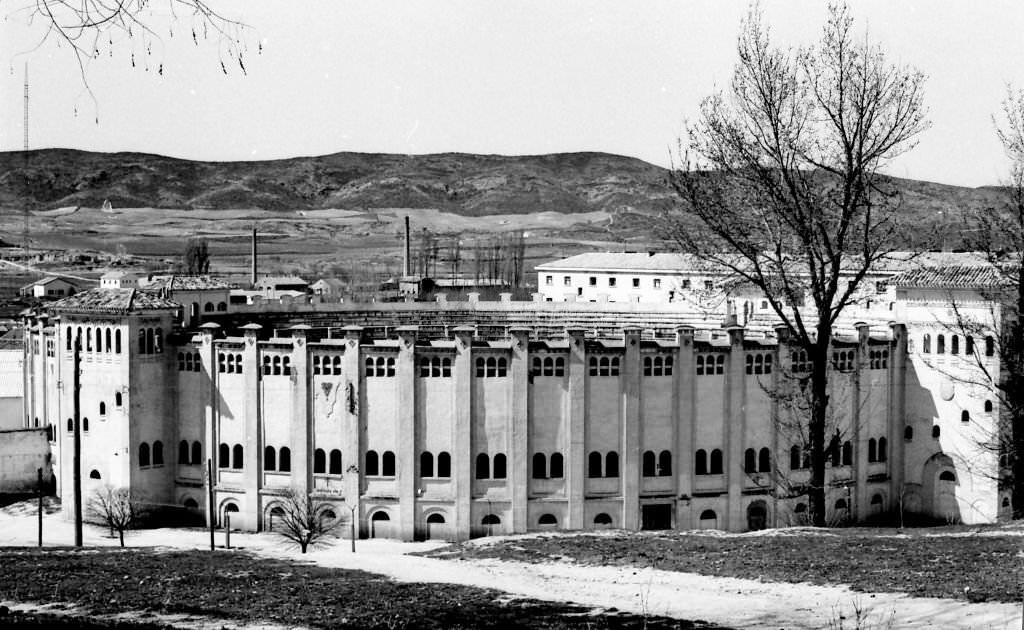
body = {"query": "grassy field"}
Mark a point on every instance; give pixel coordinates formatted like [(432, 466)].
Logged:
[(243, 588), (956, 565)]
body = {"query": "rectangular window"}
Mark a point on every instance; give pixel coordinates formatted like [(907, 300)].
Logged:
[(593, 281), (657, 283), (708, 285), (636, 283), (881, 286), (567, 281), (611, 282), (686, 283), (549, 280)]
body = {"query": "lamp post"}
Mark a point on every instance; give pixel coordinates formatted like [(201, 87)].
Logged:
[(353, 469)]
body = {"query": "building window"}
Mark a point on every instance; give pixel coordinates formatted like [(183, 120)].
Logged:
[(237, 457), (611, 282), (372, 464), (908, 433), (483, 466), (567, 281), (936, 431), (701, 462), (969, 345), (847, 453), (284, 459), (549, 280), (547, 519), (657, 283), (636, 283), (197, 453), (387, 464), (557, 468), (426, 464), (926, 344), (611, 464), (499, 466), (988, 406), (158, 453), (223, 456), (334, 467), (594, 461), (750, 461), (954, 344), (540, 466), (872, 450), (183, 452), (649, 464), (708, 285), (143, 454), (320, 462), (593, 281), (883, 453), (764, 460), (965, 416), (990, 346), (269, 458), (940, 344), (444, 465)]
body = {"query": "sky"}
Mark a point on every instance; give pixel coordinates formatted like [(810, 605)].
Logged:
[(515, 77)]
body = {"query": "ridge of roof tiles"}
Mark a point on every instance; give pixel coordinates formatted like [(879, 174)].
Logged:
[(187, 283), (107, 300), (951, 277)]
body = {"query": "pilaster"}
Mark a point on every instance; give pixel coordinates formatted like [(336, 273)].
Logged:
[(735, 430), (520, 423), (857, 422), (253, 464), (406, 473), (301, 430), (781, 380), (462, 440), (352, 440), (684, 392), (897, 410), (208, 396), (575, 470), (629, 388)]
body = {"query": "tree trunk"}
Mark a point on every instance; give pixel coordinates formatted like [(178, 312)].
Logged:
[(816, 429), (120, 534)]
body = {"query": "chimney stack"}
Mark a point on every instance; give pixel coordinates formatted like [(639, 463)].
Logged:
[(407, 267), (253, 272)]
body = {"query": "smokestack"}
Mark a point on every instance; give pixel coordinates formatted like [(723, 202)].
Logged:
[(407, 268), (253, 272)]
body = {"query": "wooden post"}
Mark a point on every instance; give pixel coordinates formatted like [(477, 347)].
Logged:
[(76, 466), (227, 530), (39, 489)]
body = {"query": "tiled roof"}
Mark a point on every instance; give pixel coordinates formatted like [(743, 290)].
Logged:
[(187, 283), (113, 301), (951, 277), (607, 261), (269, 281)]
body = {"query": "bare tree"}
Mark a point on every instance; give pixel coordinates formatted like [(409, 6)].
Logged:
[(197, 256), (781, 187), (303, 520), (117, 508)]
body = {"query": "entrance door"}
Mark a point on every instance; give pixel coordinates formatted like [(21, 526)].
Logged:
[(757, 516), (658, 516)]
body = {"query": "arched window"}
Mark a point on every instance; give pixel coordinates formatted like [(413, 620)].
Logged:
[(603, 519), (926, 344), (847, 453), (549, 366), (492, 367), (908, 433), (547, 519), (715, 467), (557, 470), (88, 339), (85, 424), (222, 307), (387, 464), (144, 454), (183, 452), (150, 341), (764, 460), (269, 458), (444, 464), (876, 499), (602, 366), (99, 340), (237, 455), (117, 399), (435, 518), (94, 474), (988, 406), (872, 450), (750, 461), (284, 459), (103, 408), (483, 466), (540, 465), (67, 339), (426, 464), (709, 515), (208, 307), (286, 366), (969, 345), (665, 464), (372, 464), (990, 346), (480, 373), (334, 463), (701, 462), (720, 364), (965, 416), (940, 344), (117, 341), (947, 475), (499, 466), (197, 453), (369, 366), (320, 462), (446, 367), (71, 425), (502, 367), (611, 464), (594, 465), (883, 453), (936, 431), (224, 456), (266, 365), (700, 365), (490, 519), (435, 367), (336, 364), (277, 366), (390, 366), (840, 504), (954, 344), (650, 464), (158, 453)]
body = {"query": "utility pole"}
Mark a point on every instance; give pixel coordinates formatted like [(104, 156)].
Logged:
[(77, 463), (209, 511), (39, 490)]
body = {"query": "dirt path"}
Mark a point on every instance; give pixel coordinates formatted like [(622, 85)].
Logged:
[(726, 601)]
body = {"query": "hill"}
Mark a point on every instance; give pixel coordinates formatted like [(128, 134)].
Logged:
[(473, 185)]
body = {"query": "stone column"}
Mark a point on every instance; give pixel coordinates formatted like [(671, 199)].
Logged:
[(576, 461), (735, 430), (629, 412), (352, 424), (462, 438), (301, 430), (519, 443), (211, 411), (253, 464), (407, 469), (685, 405)]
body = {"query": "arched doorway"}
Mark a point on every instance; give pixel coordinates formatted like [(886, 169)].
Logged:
[(757, 516), (491, 524), (380, 525), (945, 496), (708, 520), (229, 515), (437, 528)]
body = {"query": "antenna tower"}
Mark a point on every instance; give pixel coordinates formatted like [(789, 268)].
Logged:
[(24, 230)]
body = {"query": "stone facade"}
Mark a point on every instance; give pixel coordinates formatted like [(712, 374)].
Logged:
[(459, 430)]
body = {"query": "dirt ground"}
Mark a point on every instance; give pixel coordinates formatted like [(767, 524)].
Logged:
[(725, 601)]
